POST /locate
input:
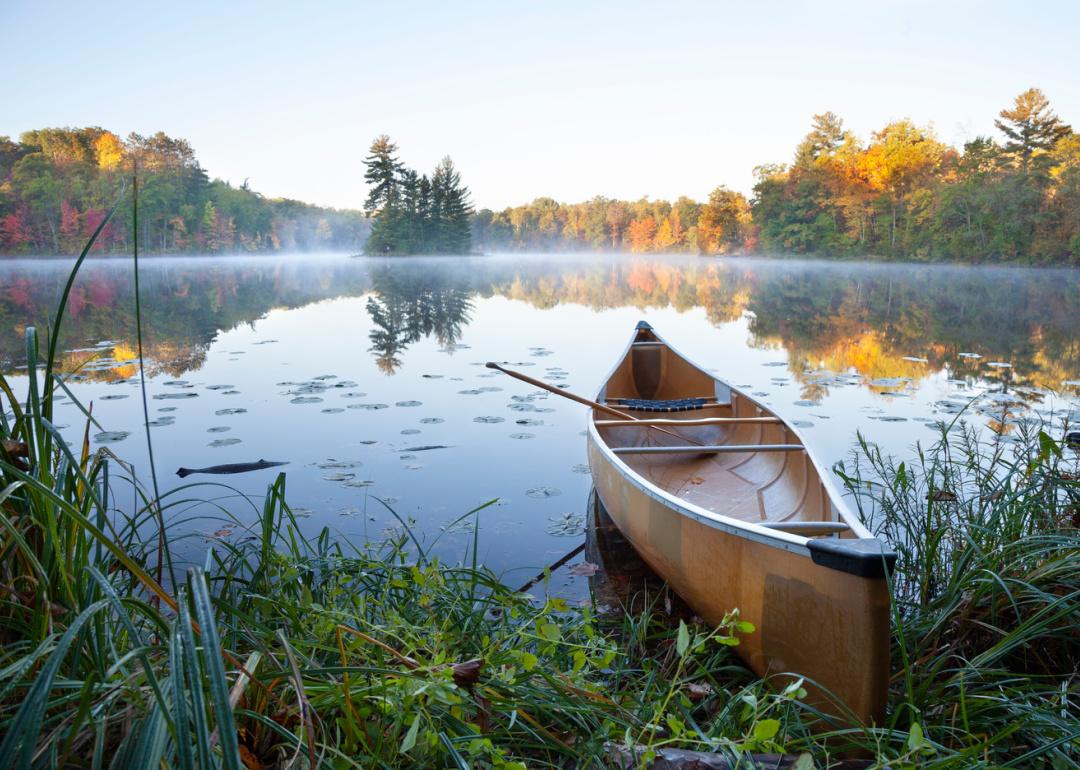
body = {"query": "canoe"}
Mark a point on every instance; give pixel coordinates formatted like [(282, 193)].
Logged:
[(725, 502)]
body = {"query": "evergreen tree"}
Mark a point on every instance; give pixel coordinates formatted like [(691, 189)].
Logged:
[(389, 231), (452, 207), (1031, 127)]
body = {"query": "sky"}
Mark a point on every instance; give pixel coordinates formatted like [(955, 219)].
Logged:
[(562, 99)]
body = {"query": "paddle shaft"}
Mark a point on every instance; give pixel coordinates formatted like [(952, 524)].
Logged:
[(582, 400)]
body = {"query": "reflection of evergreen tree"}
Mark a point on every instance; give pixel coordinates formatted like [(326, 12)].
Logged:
[(411, 304)]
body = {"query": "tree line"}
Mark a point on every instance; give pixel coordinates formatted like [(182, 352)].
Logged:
[(412, 213), (904, 194), (56, 185)]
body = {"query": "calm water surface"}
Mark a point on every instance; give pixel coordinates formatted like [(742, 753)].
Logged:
[(367, 377)]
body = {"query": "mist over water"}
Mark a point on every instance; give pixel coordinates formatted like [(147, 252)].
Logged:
[(367, 375)]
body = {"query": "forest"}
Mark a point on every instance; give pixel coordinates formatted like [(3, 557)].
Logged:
[(904, 194), (57, 184)]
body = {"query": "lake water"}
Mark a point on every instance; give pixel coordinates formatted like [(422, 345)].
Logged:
[(352, 369)]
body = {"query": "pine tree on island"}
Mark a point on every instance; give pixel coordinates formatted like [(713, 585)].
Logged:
[(414, 214)]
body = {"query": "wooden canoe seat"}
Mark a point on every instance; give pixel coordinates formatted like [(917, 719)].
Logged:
[(706, 449), (689, 423), (668, 405), (808, 528)]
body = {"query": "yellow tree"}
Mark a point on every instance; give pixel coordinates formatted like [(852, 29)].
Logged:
[(900, 158), (109, 150)]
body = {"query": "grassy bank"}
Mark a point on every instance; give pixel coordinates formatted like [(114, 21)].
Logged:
[(287, 651)]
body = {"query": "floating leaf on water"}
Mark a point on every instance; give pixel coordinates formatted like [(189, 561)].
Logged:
[(541, 492), (581, 468), (807, 403), (115, 396), (166, 408), (345, 384), (413, 467), (489, 419), (161, 422), (223, 532), (353, 394), (339, 464), (219, 429), (408, 403), (220, 442), (566, 525), (264, 342), (583, 569), (489, 389), (522, 435), (432, 376), (432, 420), (425, 448), (357, 483), (408, 457), (325, 377), (305, 400), (163, 396), (176, 383), (470, 392), (775, 363), (530, 421), (409, 431), (230, 392), (802, 423), (340, 476), (111, 436), (332, 410), (232, 410), (219, 387), (520, 407), (892, 418), (369, 407), (760, 393)]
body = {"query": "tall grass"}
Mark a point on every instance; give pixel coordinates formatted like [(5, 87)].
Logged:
[(289, 651)]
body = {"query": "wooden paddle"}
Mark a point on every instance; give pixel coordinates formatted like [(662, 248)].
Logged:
[(582, 400)]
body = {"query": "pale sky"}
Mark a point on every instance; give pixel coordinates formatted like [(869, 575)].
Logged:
[(564, 99)]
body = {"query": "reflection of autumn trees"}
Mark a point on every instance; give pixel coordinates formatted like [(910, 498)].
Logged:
[(865, 319)]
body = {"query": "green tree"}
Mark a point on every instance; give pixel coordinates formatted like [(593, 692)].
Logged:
[(1031, 127)]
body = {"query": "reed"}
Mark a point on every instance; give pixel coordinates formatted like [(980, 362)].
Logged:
[(285, 650)]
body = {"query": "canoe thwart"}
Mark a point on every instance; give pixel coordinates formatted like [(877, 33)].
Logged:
[(706, 449), (807, 527), (865, 557), (701, 421)]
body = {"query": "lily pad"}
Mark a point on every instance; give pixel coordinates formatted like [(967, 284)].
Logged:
[(111, 436), (566, 525), (489, 419), (332, 410), (232, 410), (305, 400), (220, 442), (219, 429), (369, 407), (115, 396), (522, 435), (408, 403), (432, 420), (163, 396), (541, 492)]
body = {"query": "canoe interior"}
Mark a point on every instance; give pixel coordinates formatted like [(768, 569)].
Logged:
[(756, 487)]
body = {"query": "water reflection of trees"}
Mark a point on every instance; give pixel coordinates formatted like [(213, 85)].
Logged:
[(837, 317), (412, 303)]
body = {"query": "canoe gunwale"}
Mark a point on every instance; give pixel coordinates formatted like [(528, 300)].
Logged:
[(776, 538)]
